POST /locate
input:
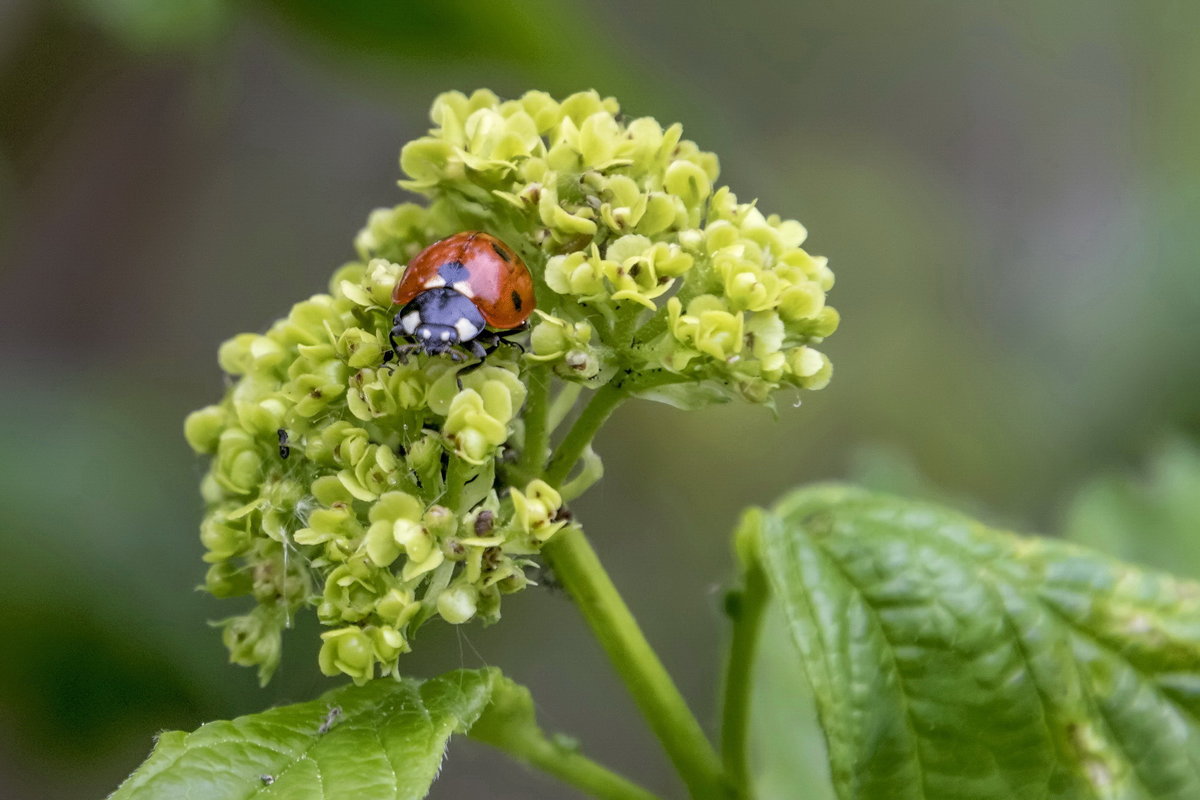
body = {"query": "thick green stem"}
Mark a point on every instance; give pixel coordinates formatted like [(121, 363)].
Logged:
[(746, 607), (537, 429), (570, 767), (580, 570)]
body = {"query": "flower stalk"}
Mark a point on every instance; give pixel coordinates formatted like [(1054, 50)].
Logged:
[(578, 567), (746, 607)]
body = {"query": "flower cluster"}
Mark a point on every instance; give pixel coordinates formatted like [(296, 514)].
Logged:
[(385, 493), (644, 267), (363, 488)]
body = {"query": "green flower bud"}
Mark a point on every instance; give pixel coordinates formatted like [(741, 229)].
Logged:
[(537, 508), (811, 369), (351, 591), (347, 651), (765, 336), (386, 643), (458, 604), (239, 463), (359, 348), (250, 352), (397, 607), (202, 428), (395, 524), (473, 428), (373, 287), (747, 285), (708, 325), (329, 492), (337, 529), (440, 522), (254, 639), (227, 579), (576, 274), (801, 300), (224, 538), (312, 394), (258, 406)]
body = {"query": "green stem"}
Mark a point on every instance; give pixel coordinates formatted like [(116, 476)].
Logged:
[(537, 429), (570, 767), (562, 404), (580, 570), (598, 409), (746, 607), (596, 413)]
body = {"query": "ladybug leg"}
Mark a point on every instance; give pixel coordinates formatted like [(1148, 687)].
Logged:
[(401, 353), (524, 326), (394, 334), (480, 351), (502, 337)]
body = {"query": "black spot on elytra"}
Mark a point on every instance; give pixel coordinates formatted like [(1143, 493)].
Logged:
[(452, 272), (500, 252), (516, 298)]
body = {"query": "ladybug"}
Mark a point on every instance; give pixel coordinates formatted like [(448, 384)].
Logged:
[(468, 291)]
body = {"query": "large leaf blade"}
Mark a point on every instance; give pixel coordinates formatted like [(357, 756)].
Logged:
[(385, 739), (953, 661)]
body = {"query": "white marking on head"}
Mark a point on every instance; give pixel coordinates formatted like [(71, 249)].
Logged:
[(464, 288), (426, 333), (466, 331), (435, 282), (410, 321), (445, 336)]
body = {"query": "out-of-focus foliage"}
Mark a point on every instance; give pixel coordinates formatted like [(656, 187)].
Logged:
[(154, 26), (1152, 518)]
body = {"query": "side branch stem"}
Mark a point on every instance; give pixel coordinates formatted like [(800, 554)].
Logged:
[(598, 409), (746, 607), (571, 767)]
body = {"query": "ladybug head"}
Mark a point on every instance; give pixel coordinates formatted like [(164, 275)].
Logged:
[(435, 338), (438, 319)]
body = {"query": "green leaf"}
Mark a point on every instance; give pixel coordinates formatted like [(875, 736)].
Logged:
[(381, 740), (950, 660), (1154, 520)]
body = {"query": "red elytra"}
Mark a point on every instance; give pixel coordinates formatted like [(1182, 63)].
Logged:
[(479, 266)]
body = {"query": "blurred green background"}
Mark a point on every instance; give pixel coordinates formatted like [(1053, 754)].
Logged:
[(1008, 193)]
